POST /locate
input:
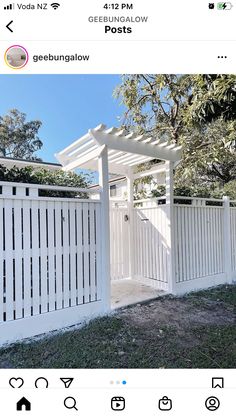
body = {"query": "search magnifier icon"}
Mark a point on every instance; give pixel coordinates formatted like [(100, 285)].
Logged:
[(70, 403)]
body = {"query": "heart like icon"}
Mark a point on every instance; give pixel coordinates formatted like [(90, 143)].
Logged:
[(16, 382)]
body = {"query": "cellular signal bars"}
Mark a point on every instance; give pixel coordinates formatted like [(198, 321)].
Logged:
[(9, 7)]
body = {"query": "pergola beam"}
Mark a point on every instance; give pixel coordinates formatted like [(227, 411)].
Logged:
[(153, 171), (79, 162), (113, 168), (135, 147)]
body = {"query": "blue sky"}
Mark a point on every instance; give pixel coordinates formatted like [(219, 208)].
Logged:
[(67, 105)]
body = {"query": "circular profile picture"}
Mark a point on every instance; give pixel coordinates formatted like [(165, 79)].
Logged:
[(16, 57)]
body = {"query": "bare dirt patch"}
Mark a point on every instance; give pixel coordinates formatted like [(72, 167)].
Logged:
[(184, 315), (179, 313)]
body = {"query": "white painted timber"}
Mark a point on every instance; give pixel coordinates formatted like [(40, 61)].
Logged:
[(119, 241), (50, 261), (132, 149), (105, 228)]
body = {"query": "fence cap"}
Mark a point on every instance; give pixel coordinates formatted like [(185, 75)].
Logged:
[(49, 187)]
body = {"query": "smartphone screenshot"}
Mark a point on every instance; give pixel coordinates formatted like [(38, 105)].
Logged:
[(117, 209)]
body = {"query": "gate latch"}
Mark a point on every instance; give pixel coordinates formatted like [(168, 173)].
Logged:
[(126, 217)]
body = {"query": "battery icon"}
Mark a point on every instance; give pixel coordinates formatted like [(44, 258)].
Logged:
[(224, 6)]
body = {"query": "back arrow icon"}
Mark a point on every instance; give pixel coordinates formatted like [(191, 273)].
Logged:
[(8, 26)]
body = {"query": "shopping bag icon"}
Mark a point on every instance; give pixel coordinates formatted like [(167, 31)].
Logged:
[(165, 403)]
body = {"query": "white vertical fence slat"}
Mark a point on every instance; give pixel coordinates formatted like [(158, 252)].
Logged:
[(86, 252), (73, 287), (80, 285), (233, 237), (92, 258), (66, 273), (35, 257), (201, 242), (2, 293), (9, 260), (58, 247), (98, 253), (51, 253), (18, 233), (26, 259), (43, 258)]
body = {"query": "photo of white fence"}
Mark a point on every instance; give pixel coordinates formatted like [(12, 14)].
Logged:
[(59, 256)]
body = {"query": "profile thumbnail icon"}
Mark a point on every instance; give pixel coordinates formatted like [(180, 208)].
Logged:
[(16, 57)]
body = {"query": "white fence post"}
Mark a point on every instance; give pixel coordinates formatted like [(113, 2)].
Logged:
[(170, 226), (105, 228), (130, 193), (227, 240)]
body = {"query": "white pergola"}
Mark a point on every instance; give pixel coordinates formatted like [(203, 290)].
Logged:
[(125, 151), (114, 151)]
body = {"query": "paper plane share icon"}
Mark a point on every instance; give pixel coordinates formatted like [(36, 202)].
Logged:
[(67, 381)]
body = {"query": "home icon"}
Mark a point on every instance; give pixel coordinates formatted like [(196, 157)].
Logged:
[(23, 404)]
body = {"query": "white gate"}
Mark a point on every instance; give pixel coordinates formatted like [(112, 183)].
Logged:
[(150, 245), (119, 240)]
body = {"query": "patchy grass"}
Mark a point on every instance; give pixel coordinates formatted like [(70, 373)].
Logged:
[(225, 294), (195, 331)]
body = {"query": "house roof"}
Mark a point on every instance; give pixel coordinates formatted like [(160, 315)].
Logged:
[(125, 150), (10, 162), (112, 180)]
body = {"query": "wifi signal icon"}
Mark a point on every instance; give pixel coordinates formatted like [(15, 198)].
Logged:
[(55, 5)]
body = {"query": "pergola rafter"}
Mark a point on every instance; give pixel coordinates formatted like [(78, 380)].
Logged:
[(125, 151)]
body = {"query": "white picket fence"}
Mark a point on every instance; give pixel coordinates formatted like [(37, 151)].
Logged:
[(201, 250), (50, 260), (53, 252), (204, 243)]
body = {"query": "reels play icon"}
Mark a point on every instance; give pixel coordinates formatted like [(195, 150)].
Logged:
[(118, 403)]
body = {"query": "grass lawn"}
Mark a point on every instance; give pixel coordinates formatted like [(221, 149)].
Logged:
[(194, 331)]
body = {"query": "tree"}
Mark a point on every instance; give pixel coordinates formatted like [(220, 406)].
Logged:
[(46, 177), (19, 138), (209, 154), (195, 111), (213, 96), (155, 104)]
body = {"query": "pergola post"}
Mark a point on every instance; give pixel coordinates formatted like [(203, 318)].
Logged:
[(170, 225), (130, 199), (105, 228)]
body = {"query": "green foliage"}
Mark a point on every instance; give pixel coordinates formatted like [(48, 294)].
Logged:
[(213, 96), (19, 138), (209, 154), (159, 191), (140, 193), (155, 104), (46, 177), (195, 111), (215, 190), (230, 189)]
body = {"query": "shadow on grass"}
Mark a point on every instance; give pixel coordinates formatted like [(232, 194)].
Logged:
[(113, 342)]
